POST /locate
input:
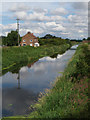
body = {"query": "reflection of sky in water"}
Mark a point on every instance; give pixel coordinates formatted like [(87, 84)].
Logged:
[(32, 81)]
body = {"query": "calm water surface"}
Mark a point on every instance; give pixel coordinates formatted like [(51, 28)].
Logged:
[(21, 89)]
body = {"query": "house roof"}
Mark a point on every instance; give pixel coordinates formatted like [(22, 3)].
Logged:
[(30, 34)]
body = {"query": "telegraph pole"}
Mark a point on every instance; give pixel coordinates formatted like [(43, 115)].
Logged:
[(18, 80), (18, 29)]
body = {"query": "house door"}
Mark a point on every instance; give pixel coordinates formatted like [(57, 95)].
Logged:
[(31, 44)]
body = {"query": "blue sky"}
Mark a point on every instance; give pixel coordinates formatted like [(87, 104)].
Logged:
[(63, 19)]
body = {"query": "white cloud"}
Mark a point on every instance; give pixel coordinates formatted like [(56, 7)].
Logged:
[(8, 27), (51, 24), (78, 19), (65, 33), (32, 16), (54, 20), (59, 11), (21, 15), (37, 17), (18, 7), (80, 31), (39, 10), (59, 28), (38, 30), (57, 18)]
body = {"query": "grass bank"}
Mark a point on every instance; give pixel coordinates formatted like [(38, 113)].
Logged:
[(69, 96), (14, 55)]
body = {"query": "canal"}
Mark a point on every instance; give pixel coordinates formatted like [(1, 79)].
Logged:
[(21, 89)]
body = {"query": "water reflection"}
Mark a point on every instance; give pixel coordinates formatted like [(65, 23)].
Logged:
[(17, 102), (15, 68), (18, 78), (22, 86)]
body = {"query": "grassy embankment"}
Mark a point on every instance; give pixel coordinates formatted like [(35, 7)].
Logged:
[(17, 55), (69, 96)]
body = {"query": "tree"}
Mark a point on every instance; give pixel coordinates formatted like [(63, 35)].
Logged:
[(84, 39), (88, 38), (12, 38), (48, 36), (4, 40)]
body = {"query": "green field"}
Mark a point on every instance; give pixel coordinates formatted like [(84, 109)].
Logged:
[(12, 56)]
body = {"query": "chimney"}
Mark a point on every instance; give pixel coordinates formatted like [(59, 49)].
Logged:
[(28, 32)]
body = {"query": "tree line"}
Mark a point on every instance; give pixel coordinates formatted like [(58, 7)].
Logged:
[(12, 39)]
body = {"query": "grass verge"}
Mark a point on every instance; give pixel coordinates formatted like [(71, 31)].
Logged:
[(19, 55)]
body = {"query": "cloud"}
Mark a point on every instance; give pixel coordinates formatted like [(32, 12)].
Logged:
[(35, 16), (59, 11), (80, 31), (64, 20), (38, 17), (21, 15), (51, 27), (59, 28), (78, 19), (31, 17), (80, 5), (16, 7), (39, 10), (57, 18), (7, 28)]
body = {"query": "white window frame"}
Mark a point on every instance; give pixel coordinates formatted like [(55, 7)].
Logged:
[(24, 40), (30, 40)]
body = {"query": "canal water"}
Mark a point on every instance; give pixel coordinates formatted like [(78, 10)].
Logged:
[(21, 89)]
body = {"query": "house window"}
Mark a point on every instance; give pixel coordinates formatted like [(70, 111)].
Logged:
[(24, 44), (31, 45), (23, 40), (30, 40)]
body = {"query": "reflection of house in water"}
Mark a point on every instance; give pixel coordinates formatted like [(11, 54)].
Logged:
[(18, 77), (29, 65)]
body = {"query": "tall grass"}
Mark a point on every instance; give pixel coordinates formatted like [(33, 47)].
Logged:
[(15, 55)]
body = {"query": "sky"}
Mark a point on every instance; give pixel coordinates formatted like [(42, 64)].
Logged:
[(62, 19)]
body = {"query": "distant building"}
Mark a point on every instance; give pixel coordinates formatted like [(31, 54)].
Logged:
[(29, 39)]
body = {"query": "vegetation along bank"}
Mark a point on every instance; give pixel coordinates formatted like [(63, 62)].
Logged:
[(12, 56), (69, 96)]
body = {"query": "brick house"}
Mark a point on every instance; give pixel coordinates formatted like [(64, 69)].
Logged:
[(29, 39)]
